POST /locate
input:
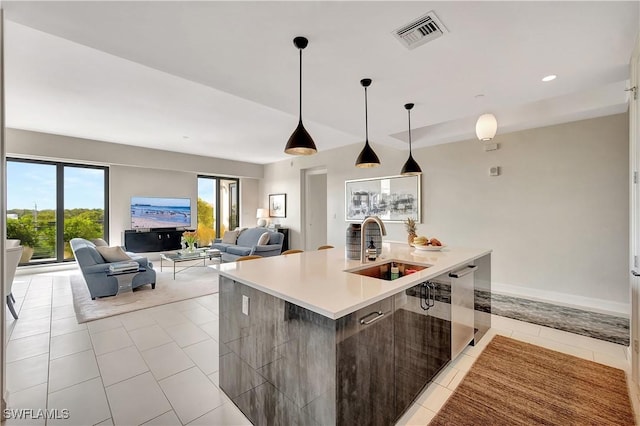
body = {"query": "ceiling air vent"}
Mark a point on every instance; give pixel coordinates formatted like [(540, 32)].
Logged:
[(426, 28)]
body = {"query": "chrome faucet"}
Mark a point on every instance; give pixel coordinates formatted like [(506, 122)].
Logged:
[(368, 219)]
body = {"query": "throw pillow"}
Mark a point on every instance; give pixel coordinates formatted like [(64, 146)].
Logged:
[(264, 239), (99, 242), (230, 237), (112, 254)]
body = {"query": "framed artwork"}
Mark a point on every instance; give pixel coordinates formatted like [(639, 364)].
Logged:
[(277, 205), (392, 198)]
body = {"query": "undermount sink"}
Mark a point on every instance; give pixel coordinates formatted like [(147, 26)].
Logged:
[(382, 271)]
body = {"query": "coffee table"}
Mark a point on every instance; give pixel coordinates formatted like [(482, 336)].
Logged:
[(196, 256)]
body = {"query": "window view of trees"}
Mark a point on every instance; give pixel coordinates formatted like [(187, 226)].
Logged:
[(34, 207), (217, 207), (37, 229)]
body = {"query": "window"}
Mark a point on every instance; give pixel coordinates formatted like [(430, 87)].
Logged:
[(49, 203), (218, 201)]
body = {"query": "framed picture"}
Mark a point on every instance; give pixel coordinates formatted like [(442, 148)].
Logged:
[(392, 198), (277, 205)]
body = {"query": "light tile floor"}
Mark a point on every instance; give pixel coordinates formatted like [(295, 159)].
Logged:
[(159, 366)]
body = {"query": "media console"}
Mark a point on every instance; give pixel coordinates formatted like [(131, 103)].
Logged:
[(152, 240)]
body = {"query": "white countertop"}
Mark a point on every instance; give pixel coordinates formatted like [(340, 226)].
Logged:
[(316, 280)]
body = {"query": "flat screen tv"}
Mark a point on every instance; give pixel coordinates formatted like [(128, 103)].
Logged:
[(160, 212)]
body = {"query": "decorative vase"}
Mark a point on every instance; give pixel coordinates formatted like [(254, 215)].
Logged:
[(27, 253), (191, 247), (410, 238), (353, 241)]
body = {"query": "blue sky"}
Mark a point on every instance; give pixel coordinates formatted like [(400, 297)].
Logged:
[(206, 189), (32, 183)]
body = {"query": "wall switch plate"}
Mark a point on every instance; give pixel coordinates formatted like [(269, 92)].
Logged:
[(245, 304), (490, 147), (494, 171)]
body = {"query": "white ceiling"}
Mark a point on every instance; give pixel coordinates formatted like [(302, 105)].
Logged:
[(220, 79)]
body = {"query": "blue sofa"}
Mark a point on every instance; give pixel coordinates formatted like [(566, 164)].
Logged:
[(247, 244), (94, 270)]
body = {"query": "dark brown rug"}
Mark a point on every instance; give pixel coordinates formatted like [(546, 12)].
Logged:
[(516, 383)]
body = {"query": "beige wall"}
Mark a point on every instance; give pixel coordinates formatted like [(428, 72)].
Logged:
[(43, 145), (139, 171), (556, 217)]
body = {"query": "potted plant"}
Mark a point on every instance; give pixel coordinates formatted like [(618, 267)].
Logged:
[(20, 230), (191, 238)]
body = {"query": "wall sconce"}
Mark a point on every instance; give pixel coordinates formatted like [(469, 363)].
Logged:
[(486, 127)]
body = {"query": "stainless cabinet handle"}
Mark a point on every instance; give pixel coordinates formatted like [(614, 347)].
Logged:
[(377, 316), (462, 272), (432, 295), (635, 273), (424, 296)]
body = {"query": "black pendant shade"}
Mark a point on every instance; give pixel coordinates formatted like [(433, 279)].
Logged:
[(411, 167), (300, 142), (367, 157)]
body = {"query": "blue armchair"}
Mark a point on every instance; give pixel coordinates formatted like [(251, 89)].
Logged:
[(94, 270)]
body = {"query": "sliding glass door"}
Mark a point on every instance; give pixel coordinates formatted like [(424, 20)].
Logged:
[(32, 209), (218, 206), (49, 203), (84, 205)]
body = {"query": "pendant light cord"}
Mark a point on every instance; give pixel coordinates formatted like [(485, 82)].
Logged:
[(409, 112), (300, 85), (366, 117)]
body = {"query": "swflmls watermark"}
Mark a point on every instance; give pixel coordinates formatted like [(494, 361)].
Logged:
[(36, 413)]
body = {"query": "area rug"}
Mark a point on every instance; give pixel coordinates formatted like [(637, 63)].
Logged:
[(194, 282), (516, 383)]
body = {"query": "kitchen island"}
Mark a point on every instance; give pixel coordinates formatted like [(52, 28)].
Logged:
[(307, 339)]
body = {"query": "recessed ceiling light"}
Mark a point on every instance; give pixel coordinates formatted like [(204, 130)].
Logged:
[(549, 78)]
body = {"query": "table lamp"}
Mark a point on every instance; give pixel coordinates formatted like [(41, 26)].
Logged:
[(262, 215)]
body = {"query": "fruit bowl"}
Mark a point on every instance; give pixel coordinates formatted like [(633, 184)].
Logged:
[(428, 248)]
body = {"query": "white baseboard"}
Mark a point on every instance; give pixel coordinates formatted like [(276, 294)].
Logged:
[(564, 299), (45, 268)]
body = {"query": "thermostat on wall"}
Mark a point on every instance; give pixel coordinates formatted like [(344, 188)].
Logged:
[(494, 171), (490, 147)]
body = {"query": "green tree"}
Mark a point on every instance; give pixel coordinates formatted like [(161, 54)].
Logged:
[(81, 227), (205, 214)]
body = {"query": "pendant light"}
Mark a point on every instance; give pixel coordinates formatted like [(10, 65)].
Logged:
[(300, 142), (486, 127), (367, 157), (410, 168)]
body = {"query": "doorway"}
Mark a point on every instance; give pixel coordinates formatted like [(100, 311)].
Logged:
[(315, 216)]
